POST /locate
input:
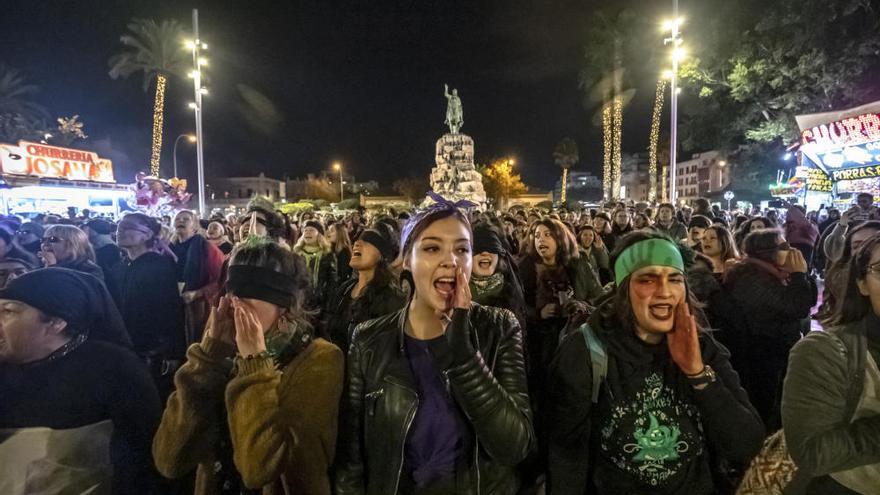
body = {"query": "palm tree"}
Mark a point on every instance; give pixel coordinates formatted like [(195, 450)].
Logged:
[(20, 117), (566, 156), (602, 80), (153, 48)]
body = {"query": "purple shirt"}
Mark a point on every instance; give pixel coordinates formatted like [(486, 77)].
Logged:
[(435, 436)]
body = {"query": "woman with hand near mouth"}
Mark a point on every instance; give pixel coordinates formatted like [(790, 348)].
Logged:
[(639, 396), (66, 246), (774, 294), (256, 402), (436, 398), (372, 293)]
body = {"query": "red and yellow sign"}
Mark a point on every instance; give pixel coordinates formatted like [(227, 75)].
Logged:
[(847, 132), (42, 160)]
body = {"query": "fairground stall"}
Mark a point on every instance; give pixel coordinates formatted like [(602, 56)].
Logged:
[(39, 178), (807, 186), (843, 147)]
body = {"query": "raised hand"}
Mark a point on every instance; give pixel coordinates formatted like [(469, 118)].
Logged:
[(248, 331), (221, 325), (683, 341)]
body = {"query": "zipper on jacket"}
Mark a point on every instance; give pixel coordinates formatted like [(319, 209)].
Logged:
[(410, 417)]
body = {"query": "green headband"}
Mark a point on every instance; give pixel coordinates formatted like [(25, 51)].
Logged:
[(650, 252)]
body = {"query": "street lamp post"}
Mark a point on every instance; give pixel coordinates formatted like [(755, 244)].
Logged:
[(190, 138), (338, 168), (198, 91), (728, 196), (677, 53)]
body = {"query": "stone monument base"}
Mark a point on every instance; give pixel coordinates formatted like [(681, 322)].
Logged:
[(455, 177)]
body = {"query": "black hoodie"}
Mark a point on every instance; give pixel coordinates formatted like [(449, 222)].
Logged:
[(651, 431)]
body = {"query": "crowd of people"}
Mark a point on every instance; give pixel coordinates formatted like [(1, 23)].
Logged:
[(628, 348)]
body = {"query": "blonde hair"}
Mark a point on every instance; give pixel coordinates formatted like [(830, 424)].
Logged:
[(77, 241), (326, 248)]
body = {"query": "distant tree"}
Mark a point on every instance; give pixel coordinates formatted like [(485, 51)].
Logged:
[(565, 155), (153, 48), (413, 188), (69, 130), (500, 182), (20, 117)]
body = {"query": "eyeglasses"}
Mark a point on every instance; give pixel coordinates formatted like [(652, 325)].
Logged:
[(52, 240), (23, 232), (875, 268)]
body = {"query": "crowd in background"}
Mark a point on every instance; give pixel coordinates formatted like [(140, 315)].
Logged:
[(626, 348)]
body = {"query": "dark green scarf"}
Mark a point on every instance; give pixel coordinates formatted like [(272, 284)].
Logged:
[(486, 289)]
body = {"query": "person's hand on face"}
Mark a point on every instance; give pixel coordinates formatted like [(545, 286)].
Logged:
[(684, 343), (249, 337), (221, 325), (795, 261), (549, 311), (461, 298)]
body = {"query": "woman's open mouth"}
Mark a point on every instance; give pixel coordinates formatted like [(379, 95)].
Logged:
[(445, 285), (661, 311), (485, 264)]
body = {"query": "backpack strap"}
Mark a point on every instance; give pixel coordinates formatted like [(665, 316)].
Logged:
[(598, 359), (855, 368)]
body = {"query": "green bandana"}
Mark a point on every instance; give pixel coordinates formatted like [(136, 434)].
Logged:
[(650, 252), (485, 289)]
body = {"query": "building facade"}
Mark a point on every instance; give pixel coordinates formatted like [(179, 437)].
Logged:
[(582, 186), (704, 173), (634, 177), (235, 192)]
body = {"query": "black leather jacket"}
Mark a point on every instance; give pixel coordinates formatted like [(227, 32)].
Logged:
[(380, 402)]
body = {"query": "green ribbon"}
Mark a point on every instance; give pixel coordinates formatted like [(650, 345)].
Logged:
[(650, 252)]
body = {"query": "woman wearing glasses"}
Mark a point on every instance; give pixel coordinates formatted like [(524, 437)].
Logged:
[(149, 300), (66, 246), (829, 405), (774, 295)]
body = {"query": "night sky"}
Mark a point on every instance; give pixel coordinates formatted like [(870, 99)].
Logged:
[(295, 86)]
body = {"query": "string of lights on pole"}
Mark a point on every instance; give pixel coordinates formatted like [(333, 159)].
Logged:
[(617, 134), (606, 151), (654, 138), (196, 45), (158, 122)]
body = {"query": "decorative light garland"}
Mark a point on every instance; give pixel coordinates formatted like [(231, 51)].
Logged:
[(655, 136), (564, 185), (663, 188), (606, 150), (617, 137), (158, 121)]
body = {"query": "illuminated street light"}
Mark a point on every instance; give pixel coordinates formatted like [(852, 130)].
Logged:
[(189, 45), (193, 105), (190, 138), (203, 61), (337, 167), (666, 74), (678, 53), (198, 91), (203, 91)]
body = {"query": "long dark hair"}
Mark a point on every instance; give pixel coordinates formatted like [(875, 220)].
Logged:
[(725, 240), (615, 308), (566, 245), (853, 305)]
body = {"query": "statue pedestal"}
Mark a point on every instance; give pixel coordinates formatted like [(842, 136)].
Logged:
[(455, 177)]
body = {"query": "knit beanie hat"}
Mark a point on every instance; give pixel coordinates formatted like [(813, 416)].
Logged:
[(315, 225), (78, 298)]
